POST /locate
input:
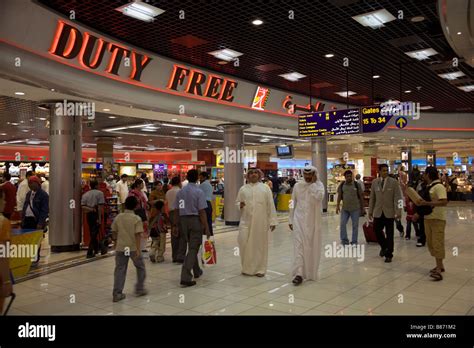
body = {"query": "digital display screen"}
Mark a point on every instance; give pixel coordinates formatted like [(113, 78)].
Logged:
[(336, 122)]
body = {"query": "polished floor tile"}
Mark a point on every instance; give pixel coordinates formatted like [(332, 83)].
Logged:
[(345, 286)]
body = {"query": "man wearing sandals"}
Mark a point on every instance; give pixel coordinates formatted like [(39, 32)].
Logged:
[(435, 223), (305, 222)]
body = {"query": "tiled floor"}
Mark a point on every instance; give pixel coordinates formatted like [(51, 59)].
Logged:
[(346, 287)]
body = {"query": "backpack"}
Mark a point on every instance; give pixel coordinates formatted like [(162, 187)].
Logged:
[(423, 210), (341, 191)]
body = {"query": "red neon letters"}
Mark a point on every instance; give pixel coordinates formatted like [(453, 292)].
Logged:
[(69, 43)]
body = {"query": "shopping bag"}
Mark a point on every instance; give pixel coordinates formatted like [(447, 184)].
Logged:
[(209, 256)]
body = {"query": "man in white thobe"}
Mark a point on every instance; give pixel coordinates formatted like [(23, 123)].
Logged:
[(258, 217), (305, 222)]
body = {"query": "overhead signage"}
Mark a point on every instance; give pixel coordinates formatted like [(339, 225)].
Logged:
[(260, 98), (198, 83), (401, 122), (372, 119), (338, 122), (292, 108), (70, 43)]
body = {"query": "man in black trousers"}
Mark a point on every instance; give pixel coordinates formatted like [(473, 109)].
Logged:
[(385, 205)]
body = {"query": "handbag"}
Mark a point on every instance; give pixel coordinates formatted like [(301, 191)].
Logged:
[(209, 256)]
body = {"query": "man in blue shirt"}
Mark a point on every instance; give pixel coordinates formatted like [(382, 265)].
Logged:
[(206, 187), (190, 212)]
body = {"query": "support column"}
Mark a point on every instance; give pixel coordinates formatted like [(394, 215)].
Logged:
[(319, 159), (105, 154), (233, 170), (65, 153), (370, 161)]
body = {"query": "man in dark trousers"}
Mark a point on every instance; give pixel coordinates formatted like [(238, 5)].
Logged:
[(92, 203), (385, 205), (35, 209), (206, 187), (190, 212)]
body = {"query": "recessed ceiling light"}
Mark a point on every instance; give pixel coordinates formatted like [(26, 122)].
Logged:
[(459, 33), (374, 19), (417, 19), (24, 130), (422, 54), (408, 91), (174, 132), (468, 88), (19, 93), (3, 133), (22, 121), (257, 22), (452, 75), (226, 54), (196, 133), (105, 109), (329, 55), (427, 107), (112, 116), (140, 10), (174, 119), (42, 118), (178, 142), (376, 76), (293, 76), (269, 131), (52, 90), (150, 139), (14, 124), (345, 93), (95, 131), (176, 137)]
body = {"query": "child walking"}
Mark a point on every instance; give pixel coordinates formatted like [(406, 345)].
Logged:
[(127, 231), (158, 222)]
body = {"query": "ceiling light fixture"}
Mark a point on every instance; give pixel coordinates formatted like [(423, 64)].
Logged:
[(468, 88), (408, 91), (257, 22), (293, 76), (422, 54), (345, 94), (19, 93), (174, 119), (417, 19), (427, 107), (225, 54), (105, 109), (374, 19), (376, 76), (174, 125), (112, 117), (329, 55), (452, 75), (140, 10)]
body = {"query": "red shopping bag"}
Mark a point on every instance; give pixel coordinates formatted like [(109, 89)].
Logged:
[(209, 253)]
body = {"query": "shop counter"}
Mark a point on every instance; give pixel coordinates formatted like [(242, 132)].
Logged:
[(24, 237)]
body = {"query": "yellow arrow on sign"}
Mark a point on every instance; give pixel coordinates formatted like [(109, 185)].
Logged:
[(401, 122)]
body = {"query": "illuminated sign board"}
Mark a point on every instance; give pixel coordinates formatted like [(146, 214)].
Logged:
[(337, 122), (70, 43), (260, 98), (373, 119), (198, 83)]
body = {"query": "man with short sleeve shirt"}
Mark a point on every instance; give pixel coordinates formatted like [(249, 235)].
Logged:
[(206, 187), (92, 203), (190, 211), (435, 222), (178, 242)]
